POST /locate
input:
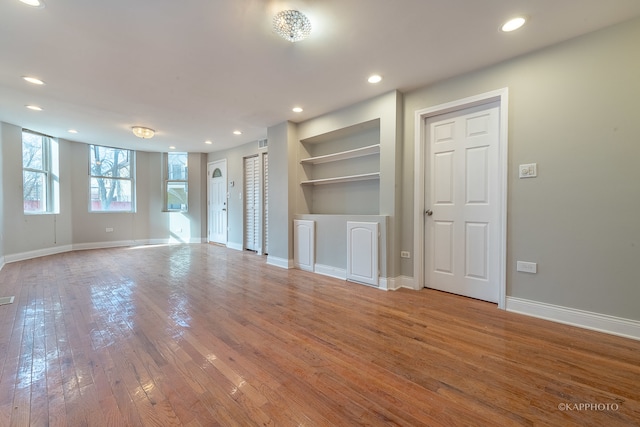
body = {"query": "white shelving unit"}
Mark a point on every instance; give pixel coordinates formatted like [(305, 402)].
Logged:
[(340, 170), (338, 179), (343, 155)]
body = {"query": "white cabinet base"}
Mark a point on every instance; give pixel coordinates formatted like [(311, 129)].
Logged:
[(362, 252), (304, 244)]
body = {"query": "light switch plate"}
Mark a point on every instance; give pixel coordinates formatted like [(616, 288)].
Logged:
[(530, 170)]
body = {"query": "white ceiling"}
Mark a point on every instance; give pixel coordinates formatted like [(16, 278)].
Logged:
[(197, 70)]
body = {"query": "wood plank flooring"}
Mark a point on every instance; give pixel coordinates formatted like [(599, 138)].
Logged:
[(199, 335)]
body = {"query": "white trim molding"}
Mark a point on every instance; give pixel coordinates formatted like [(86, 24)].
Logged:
[(22, 256), (327, 270), (627, 328), (502, 97), (279, 262), (235, 246), (405, 282)]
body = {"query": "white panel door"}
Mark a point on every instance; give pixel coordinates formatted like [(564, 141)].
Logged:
[(304, 244), (462, 217), (362, 252), (217, 182), (252, 203)]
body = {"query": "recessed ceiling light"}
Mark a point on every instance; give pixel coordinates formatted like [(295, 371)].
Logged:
[(171, 147), (237, 132), (33, 3), (375, 78), (513, 24), (297, 109), (33, 80), (72, 131), (34, 107), (208, 142)]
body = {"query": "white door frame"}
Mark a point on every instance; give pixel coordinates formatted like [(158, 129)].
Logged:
[(210, 166), (420, 152)]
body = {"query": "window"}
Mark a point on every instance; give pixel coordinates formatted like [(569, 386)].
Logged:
[(176, 186), (111, 173), (40, 184)]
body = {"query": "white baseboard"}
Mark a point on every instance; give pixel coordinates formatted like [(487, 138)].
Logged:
[(327, 270), (235, 246), (104, 245), (406, 282), (386, 283), (22, 256), (279, 262), (627, 328)]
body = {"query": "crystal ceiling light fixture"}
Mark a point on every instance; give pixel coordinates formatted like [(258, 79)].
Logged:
[(292, 25), (143, 132)]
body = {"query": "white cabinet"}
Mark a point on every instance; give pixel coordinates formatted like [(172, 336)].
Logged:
[(304, 244), (362, 252)]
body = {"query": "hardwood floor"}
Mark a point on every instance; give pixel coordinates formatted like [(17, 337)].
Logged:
[(199, 335)]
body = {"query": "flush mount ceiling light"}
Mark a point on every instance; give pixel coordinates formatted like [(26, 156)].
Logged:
[(33, 80), (292, 25), (142, 132), (33, 3), (513, 24), (34, 107)]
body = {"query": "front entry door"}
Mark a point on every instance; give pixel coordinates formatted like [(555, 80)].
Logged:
[(462, 215), (217, 173)]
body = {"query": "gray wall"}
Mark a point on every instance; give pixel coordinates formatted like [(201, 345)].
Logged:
[(31, 233), (74, 227), (235, 203), (573, 109)]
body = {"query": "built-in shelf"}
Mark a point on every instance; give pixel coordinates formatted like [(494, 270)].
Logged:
[(343, 155), (338, 179)]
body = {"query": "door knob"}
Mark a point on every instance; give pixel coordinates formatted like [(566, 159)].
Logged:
[(429, 212)]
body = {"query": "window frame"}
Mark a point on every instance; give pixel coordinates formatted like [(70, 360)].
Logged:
[(168, 182), (50, 170), (131, 179)]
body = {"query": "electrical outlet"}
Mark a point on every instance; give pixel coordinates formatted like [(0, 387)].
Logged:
[(527, 267), (405, 254), (109, 230)]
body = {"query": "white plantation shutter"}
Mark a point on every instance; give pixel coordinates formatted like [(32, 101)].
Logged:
[(265, 168), (251, 203)]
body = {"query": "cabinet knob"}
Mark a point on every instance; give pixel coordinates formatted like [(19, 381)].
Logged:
[(428, 212)]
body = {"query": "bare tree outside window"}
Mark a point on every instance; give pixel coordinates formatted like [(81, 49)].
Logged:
[(111, 179), (39, 173)]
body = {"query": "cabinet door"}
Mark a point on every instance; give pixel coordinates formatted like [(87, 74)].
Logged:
[(362, 252), (304, 244)]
